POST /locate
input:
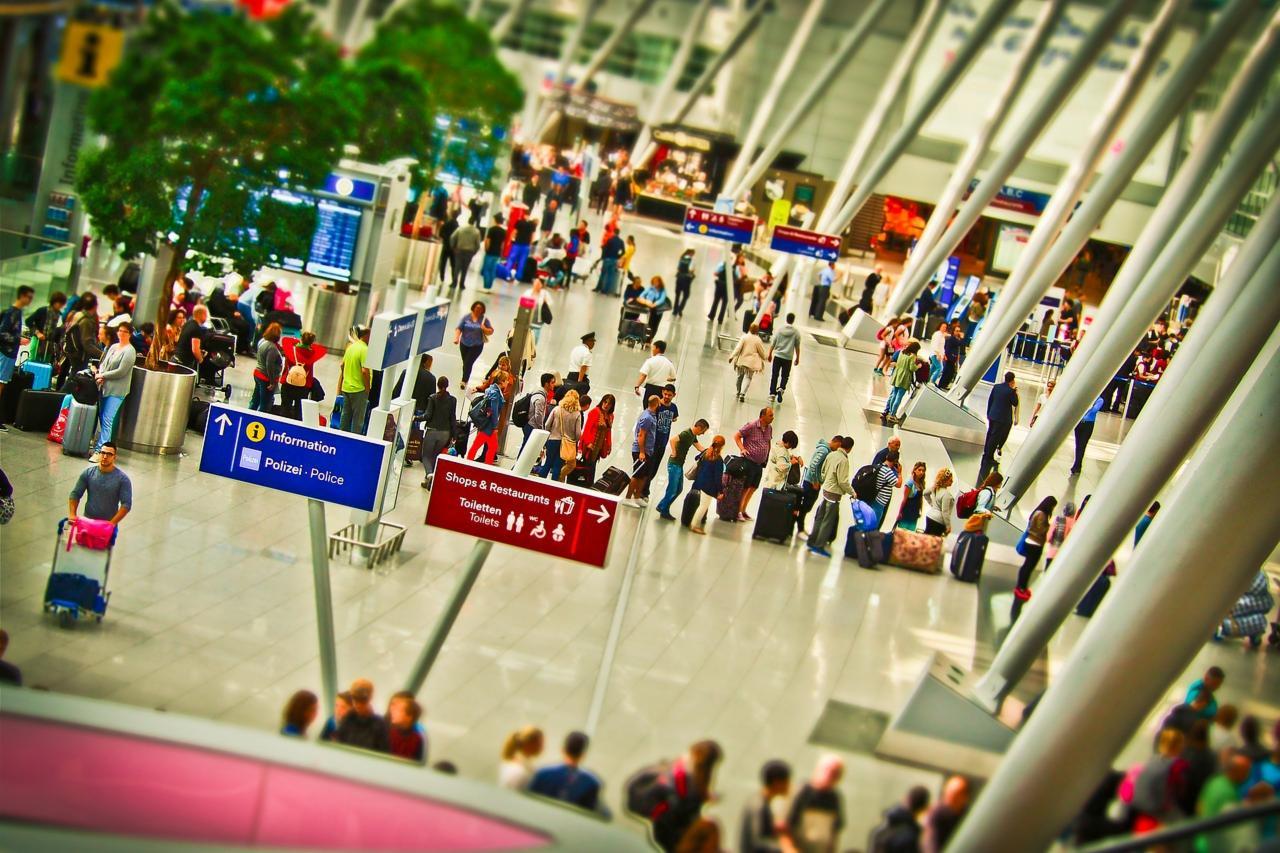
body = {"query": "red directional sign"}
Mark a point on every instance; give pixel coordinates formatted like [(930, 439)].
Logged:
[(527, 512)]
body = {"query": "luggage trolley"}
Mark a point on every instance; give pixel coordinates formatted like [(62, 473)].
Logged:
[(78, 577)]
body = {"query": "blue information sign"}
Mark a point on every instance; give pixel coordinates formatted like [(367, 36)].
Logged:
[(288, 456), (432, 326), (809, 244), (725, 226), (392, 339)]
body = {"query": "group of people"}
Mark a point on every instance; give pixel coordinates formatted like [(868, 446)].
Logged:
[(356, 723)]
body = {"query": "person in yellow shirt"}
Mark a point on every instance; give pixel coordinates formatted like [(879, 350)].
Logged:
[(627, 254), (355, 382)]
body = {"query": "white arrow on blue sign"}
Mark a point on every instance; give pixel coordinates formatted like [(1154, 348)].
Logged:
[(289, 456)]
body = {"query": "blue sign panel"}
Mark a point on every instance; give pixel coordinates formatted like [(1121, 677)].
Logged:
[(288, 456), (808, 244), (431, 329), (726, 226), (391, 339), (352, 188)]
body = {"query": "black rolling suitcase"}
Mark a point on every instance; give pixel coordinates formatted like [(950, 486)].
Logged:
[(37, 410), (967, 558), (689, 507), (776, 517), (20, 382), (865, 546), (613, 481), (198, 417)]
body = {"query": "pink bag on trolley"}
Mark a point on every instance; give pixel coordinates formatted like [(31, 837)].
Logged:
[(91, 533)]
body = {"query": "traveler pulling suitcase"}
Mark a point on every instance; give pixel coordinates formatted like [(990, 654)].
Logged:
[(918, 552), (81, 420), (967, 558), (613, 481), (776, 517), (37, 410)]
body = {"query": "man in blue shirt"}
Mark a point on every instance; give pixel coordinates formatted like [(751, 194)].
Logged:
[(666, 414), (1002, 414), (642, 450), (1144, 523), (1084, 431), (568, 782), (610, 255), (822, 291)]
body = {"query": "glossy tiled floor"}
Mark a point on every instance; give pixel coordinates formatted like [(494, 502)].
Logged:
[(745, 642)]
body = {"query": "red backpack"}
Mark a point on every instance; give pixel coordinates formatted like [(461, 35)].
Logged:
[(967, 503)]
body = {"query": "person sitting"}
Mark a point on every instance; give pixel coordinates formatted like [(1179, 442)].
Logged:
[(654, 297), (568, 781), (406, 737), (361, 727), (633, 290)]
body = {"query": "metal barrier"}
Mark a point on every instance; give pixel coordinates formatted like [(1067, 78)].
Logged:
[(390, 538), (1046, 354)]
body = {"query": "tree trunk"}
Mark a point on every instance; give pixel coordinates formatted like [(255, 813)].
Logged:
[(175, 270)]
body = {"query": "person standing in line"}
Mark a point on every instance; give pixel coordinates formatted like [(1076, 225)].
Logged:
[(267, 372), (811, 482), (109, 490), (519, 750), (597, 435), (579, 240), (464, 244), (900, 830), (749, 357), (11, 336), (496, 395), (437, 427), (642, 448), (866, 302), (763, 827), (1143, 523), (726, 279), (363, 727), (680, 446), (941, 821), (300, 712), (471, 334), (708, 482), (912, 499), (356, 380), (880, 297), (656, 373), (1083, 432), (888, 478), (447, 230), (494, 239), (784, 354), (822, 292), (904, 375), (569, 781), (817, 811), (541, 399), (782, 459), (667, 414), (893, 444), (408, 739), (1002, 414), (114, 377), (939, 504), (684, 281), (938, 351), (1032, 545), (953, 355), (564, 428), (753, 440), (835, 484)]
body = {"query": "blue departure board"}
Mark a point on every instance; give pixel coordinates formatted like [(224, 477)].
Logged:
[(333, 245)]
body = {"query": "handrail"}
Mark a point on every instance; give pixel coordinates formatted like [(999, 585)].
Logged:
[(1185, 829)]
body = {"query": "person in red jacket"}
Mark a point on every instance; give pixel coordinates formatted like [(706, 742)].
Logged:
[(596, 442), (303, 353)]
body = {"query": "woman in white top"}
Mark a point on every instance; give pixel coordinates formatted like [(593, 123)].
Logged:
[(565, 427), (937, 351), (749, 357), (939, 504), (518, 752), (780, 461)]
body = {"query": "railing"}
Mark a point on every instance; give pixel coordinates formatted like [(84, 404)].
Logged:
[(35, 261), (1211, 829)]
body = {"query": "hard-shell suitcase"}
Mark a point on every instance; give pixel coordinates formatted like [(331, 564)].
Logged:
[(78, 438), (919, 552), (728, 507), (776, 517), (12, 393), (613, 481), (689, 507), (968, 557), (37, 410), (1089, 604), (42, 372)]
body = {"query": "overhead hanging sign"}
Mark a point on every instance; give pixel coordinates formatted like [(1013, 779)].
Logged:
[(527, 512), (289, 456), (808, 244), (723, 226)]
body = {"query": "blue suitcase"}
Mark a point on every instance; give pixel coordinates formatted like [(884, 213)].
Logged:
[(42, 372)]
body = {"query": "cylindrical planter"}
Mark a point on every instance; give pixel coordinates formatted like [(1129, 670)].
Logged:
[(329, 315), (154, 416)]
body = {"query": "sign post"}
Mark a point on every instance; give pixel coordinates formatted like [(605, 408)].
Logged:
[(806, 244), (723, 226), (318, 528), (520, 332)]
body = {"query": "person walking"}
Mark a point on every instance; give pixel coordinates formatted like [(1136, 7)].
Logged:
[(440, 414), (1002, 414), (708, 483), (904, 375), (486, 415), (464, 244), (1031, 545), (753, 440), (495, 237), (939, 504), (1083, 432), (685, 275), (680, 446), (822, 292), (109, 490), (938, 351), (610, 257), (835, 485), (784, 354), (580, 363), (596, 442), (114, 376), (811, 481), (564, 428), (356, 380), (749, 357), (447, 230), (267, 372), (521, 240), (471, 334), (642, 447)]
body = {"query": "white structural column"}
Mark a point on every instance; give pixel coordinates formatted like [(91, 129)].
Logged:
[(978, 147), (504, 24), (658, 104), (570, 50), (1182, 227), (746, 28), (1046, 105), (473, 9), (1186, 573), (779, 77), (849, 45), (1230, 330), (1026, 287)]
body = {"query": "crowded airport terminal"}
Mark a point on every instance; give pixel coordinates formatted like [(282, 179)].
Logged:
[(640, 425)]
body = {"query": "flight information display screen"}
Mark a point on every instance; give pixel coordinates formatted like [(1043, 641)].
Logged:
[(333, 245)]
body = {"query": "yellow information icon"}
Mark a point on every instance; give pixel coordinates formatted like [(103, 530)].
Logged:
[(255, 431)]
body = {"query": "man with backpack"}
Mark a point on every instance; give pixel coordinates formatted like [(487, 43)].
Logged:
[(835, 485), (569, 782), (530, 411)]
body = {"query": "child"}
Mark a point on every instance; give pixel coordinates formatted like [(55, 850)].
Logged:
[(407, 737)]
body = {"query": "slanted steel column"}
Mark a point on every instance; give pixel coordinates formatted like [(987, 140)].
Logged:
[(658, 104), (1186, 574), (979, 145), (504, 24), (780, 76), (746, 28), (849, 45), (473, 9), (1030, 281), (1163, 258), (1047, 104), (1233, 326), (570, 50)]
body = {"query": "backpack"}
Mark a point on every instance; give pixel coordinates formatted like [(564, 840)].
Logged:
[(967, 503), (864, 483), (923, 371), (521, 410), (479, 411), (864, 517), (297, 376), (651, 790)]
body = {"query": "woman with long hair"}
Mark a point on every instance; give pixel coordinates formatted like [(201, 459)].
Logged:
[(708, 482), (913, 498), (691, 779), (299, 713), (939, 504), (564, 427), (518, 752), (496, 395), (1031, 546), (596, 440), (266, 373)]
